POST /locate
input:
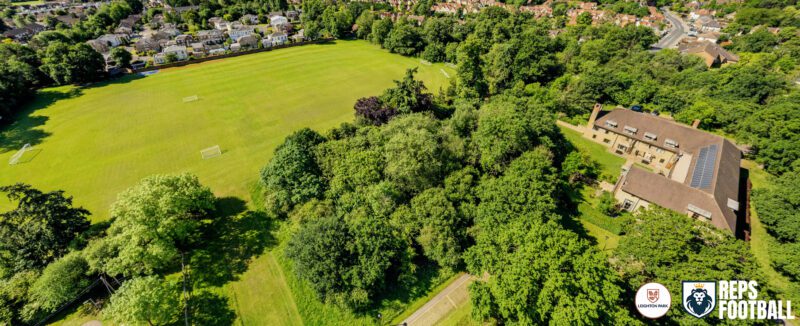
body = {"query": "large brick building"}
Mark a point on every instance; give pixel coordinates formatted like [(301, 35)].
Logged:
[(675, 166)]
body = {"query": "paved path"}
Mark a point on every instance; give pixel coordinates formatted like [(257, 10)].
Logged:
[(678, 31), (453, 296)]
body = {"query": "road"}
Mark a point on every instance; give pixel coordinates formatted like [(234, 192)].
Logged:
[(453, 296), (678, 31)]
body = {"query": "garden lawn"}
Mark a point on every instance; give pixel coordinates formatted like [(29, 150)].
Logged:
[(610, 164), (95, 141)]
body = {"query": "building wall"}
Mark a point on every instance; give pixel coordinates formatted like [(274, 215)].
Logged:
[(660, 160), (635, 202)]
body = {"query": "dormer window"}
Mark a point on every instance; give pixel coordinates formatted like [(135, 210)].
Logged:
[(630, 130), (671, 143), (611, 124), (650, 136)]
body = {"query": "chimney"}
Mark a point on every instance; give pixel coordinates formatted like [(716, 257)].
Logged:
[(595, 111), (695, 123)]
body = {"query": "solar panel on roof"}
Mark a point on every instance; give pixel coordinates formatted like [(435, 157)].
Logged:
[(704, 168)]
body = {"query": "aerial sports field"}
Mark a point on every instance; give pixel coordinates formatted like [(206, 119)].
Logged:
[(98, 140)]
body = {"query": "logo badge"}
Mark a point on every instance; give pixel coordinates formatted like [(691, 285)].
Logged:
[(699, 297), (653, 300), (652, 295)]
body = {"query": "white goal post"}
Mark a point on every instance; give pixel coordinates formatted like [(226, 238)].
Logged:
[(210, 152), (190, 99), (15, 158)]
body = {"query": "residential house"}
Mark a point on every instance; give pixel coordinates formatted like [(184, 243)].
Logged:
[(266, 42), (24, 33), (68, 19), (198, 49), (278, 38), (277, 21), (218, 23), (144, 45), (99, 46), (292, 15), (539, 11), (216, 49), (712, 37), (696, 14), (447, 8), (179, 53), (300, 36), (684, 169), (713, 54), (170, 30), (235, 47), (113, 40), (184, 39), (248, 41), (249, 19), (213, 36), (707, 24), (235, 34)]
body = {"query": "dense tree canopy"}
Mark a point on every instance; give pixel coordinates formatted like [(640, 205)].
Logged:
[(39, 229), (684, 244), (145, 301), (779, 209), (154, 221), (293, 176)]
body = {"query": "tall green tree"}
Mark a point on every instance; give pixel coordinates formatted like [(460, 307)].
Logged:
[(293, 175), (684, 245), (145, 301), (60, 282), (153, 222), (39, 229), (71, 64)]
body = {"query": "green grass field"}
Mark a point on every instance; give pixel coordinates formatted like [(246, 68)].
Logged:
[(96, 141)]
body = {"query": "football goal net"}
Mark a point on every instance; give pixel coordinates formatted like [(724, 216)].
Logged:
[(425, 62), (210, 152), (190, 99), (18, 155)]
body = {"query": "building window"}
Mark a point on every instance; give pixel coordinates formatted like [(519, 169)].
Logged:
[(671, 143), (621, 147), (630, 130), (650, 136), (611, 124), (606, 140), (627, 205), (661, 161)]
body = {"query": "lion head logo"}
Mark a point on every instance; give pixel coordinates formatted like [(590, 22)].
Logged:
[(699, 303)]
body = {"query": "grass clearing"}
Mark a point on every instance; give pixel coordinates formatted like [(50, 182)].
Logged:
[(610, 164), (98, 140)]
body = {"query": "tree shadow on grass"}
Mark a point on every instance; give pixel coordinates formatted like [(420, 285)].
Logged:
[(123, 79), (22, 128), (211, 309), (230, 241)]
